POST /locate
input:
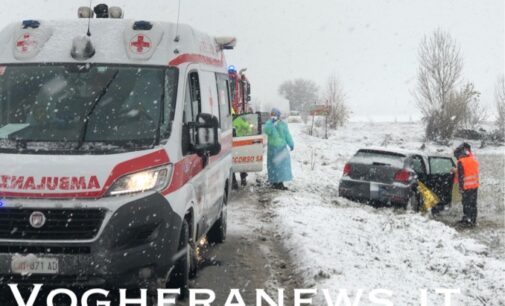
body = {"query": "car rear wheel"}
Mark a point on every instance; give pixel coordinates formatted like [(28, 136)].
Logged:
[(217, 233)]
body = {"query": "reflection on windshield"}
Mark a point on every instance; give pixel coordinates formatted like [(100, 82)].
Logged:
[(85, 104)]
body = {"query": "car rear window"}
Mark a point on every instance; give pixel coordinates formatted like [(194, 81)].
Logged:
[(379, 158)]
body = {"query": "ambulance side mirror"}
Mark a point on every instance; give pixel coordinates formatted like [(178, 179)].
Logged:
[(207, 135)]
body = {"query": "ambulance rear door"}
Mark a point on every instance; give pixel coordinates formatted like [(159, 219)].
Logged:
[(248, 143)]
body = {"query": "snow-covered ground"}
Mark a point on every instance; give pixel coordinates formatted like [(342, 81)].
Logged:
[(340, 244)]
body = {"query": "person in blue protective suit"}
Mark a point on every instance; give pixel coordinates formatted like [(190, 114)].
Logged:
[(278, 159)]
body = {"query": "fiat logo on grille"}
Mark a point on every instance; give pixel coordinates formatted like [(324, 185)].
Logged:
[(37, 219)]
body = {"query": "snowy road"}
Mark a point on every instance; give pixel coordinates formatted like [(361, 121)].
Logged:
[(253, 255)]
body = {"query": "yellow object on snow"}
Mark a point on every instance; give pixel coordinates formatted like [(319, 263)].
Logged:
[(430, 199)]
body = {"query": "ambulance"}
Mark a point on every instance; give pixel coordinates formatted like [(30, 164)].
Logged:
[(115, 150)]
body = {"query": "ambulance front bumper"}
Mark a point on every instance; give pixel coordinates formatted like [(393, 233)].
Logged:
[(135, 242)]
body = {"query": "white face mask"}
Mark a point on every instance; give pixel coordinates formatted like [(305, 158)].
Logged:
[(275, 118)]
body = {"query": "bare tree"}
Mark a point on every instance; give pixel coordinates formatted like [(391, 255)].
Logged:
[(500, 104), (443, 103), (335, 97), (474, 113), (300, 93)]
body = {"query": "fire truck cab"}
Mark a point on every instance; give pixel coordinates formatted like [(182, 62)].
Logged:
[(115, 150)]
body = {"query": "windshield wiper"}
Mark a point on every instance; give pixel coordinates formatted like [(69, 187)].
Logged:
[(84, 129)]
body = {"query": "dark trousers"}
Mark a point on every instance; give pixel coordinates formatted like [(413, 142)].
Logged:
[(243, 177), (470, 204)]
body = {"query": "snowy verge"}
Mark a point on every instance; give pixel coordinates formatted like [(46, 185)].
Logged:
[(346, 246), (340, 244)]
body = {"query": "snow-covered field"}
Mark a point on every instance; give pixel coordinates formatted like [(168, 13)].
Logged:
[(340, 244)]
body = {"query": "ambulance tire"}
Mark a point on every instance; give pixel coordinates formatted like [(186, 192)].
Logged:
[(179, 277), (217, 233)]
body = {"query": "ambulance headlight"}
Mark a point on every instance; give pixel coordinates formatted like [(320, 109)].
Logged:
[(148, 180)]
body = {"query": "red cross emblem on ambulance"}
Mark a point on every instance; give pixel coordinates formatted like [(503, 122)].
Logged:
[(25, 43), (140, 44)]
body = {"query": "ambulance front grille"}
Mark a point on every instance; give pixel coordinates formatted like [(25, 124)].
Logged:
[(60, 224)]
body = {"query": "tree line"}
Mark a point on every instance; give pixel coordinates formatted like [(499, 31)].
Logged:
[(446, 100)]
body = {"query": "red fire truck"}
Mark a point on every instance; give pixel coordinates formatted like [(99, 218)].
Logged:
[(240, 90)]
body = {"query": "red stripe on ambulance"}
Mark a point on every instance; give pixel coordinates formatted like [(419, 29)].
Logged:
[(196, 58), (151, 160)]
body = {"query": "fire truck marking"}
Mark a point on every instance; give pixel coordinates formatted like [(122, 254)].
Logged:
[(139, 43), (25, 43), (48, 183)]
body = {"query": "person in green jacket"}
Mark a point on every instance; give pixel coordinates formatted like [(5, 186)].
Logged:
[(241, 128), (278, 159)]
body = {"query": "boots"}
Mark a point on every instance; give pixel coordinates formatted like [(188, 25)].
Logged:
[(279, 186), (466, 222)]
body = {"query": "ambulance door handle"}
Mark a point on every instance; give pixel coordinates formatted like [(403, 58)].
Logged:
[(256, 141)]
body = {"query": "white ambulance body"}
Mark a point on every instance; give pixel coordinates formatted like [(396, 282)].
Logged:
[(115, 155)]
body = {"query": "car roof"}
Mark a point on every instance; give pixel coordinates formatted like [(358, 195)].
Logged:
[(401, 151), (391, 150)]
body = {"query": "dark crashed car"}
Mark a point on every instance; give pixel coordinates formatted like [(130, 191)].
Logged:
[(390, 177)]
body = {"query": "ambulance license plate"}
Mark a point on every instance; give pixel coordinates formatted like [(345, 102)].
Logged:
[(31, 264)]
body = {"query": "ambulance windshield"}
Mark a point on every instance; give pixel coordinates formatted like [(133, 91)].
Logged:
[(85, 107)]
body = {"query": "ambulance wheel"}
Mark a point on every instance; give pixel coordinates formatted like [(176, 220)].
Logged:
[(217, 233), (179, 277)]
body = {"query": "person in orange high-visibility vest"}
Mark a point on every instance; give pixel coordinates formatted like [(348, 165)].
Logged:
[(468, 178)]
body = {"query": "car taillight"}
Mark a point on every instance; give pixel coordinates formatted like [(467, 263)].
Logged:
[(402, 176), (347, 169)]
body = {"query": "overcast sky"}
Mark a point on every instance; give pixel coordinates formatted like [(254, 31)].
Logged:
[(371, 45)]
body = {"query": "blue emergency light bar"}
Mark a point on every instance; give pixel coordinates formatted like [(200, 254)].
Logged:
[(142, 25), (232, 69), (34, 24)]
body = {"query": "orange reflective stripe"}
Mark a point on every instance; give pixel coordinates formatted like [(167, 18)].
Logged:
[(240, 143)]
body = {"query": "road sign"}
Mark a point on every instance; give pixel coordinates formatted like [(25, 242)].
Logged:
[(320, 110)]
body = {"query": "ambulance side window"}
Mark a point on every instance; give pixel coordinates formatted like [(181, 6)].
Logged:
[(188, 112), (194, 86), (192, 107), (223, 93)]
